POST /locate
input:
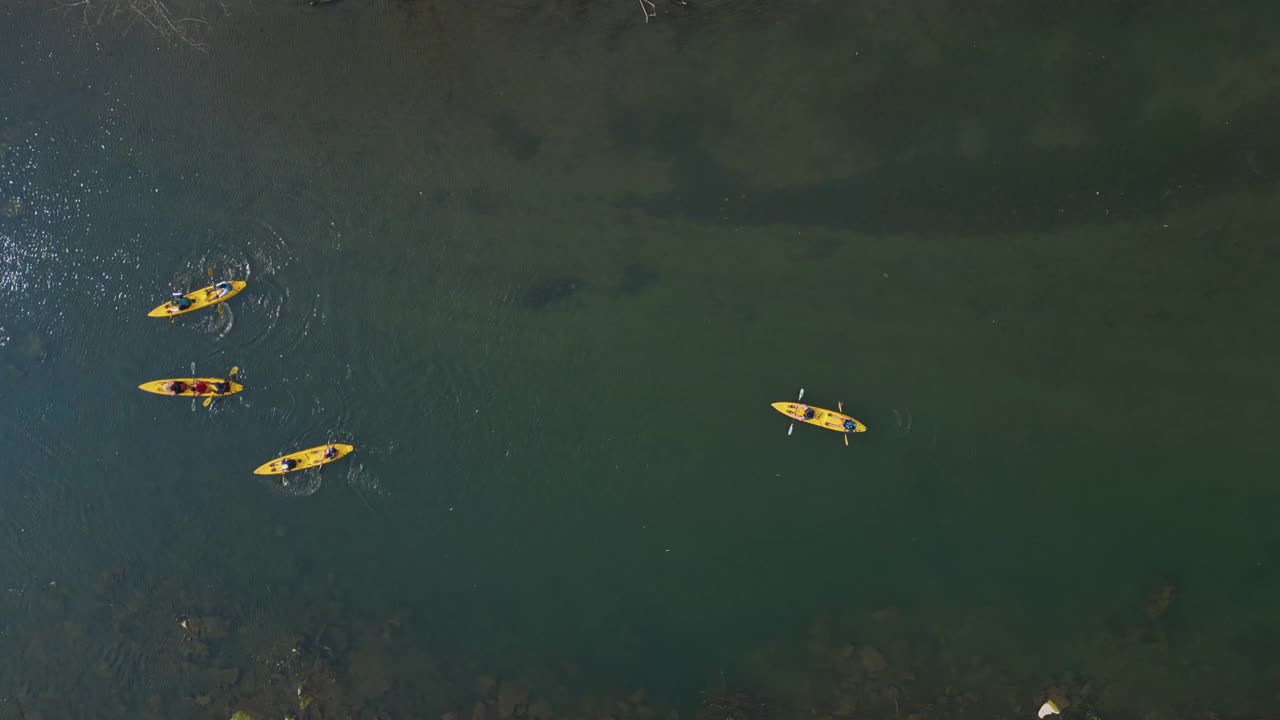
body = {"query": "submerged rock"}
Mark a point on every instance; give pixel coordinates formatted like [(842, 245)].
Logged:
[(227, 677), (1158, 602), (726, 704), (368, 674), (871, 660), (540, 710), (511, 696), (193, 648), (335, 640), (208, 627), (885, 616), (485, 685)]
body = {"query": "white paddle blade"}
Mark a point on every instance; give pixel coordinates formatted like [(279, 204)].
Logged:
[(801, 395), (791, 427)]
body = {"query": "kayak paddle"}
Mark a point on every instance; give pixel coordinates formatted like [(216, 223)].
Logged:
[(793, 422), (840, 407), (230, 374), (215, 290), (173, 286)]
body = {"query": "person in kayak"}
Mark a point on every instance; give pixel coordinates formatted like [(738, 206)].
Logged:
[(222, 387), (201, 387), (850, 426), (330, 453), (179, 302), (288, 464), (176, 387), (809, 413), (220, 288)]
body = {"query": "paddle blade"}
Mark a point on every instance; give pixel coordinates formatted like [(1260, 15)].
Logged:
[(219, 309), (791, 427), (846, 440), (801, 395), (210, 273), (840, 405), (235, 369), (209, 401)]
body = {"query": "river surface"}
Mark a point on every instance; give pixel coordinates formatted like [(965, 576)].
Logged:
[(547, 264)]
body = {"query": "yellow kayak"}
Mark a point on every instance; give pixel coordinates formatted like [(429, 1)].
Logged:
[(309, 458), (202, 298), (162, 387), (823, 418)]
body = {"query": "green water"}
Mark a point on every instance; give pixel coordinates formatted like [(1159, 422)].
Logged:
[(546, 265)]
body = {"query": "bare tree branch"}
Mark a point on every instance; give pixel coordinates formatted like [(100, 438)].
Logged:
[(649, 9)]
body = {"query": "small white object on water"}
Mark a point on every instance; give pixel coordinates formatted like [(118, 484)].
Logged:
[(1048, 708)]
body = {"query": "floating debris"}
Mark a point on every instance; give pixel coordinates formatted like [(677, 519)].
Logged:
[(1048, 708)]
